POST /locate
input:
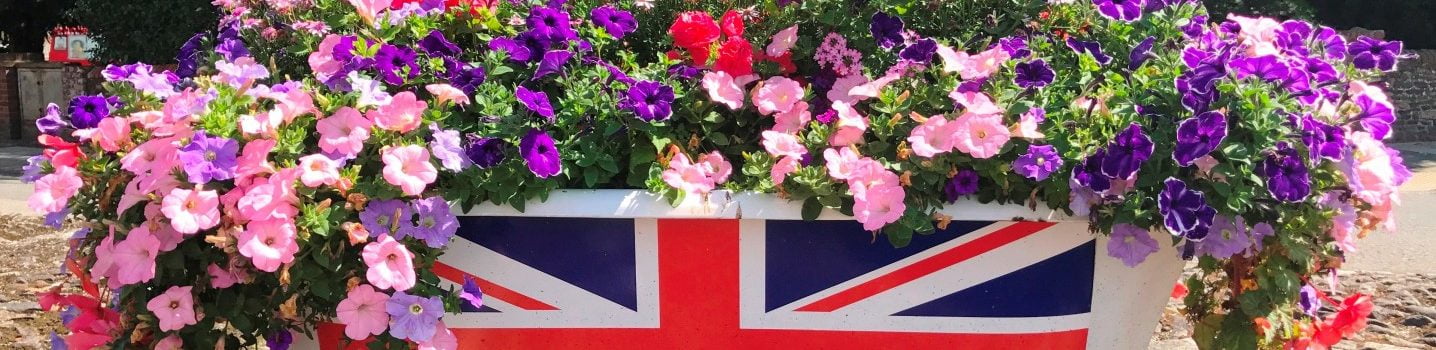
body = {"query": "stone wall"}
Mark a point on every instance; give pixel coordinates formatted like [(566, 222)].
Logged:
[(1413, 88)]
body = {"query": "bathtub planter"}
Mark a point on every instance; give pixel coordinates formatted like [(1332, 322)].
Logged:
[(623, 269)]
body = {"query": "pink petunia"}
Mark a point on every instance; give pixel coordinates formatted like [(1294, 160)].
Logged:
[(842, 162), (879, 206), (104, 266), (687, 176), (268, 243), (363, 312), (172, 342), (981, 136), (784, 166), (344, 132), (782, 41), (322, 61), (174, 308), (444, 93), (842, 88), (369, 9), (404, 114), (972, 67), (262, 124), (391, 265), (254, 159), (782, 144), (777, 95), (134, 258), (113, 134), (718, 168), (443, 339), (292, 104), (220, 278), (1027, 125), (158, 155), (190, 211), (270, 198), (53, 191), (933, 137), (793, 120), (318, 169), (850, 126), (723, 89), (409, 168), (974, 102)]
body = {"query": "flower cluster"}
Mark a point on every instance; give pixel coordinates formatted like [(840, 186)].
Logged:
[(306, 159)]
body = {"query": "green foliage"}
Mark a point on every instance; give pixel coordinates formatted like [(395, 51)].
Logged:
[(143, 30)]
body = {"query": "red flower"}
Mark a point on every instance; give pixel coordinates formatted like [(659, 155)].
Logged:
[(61, 152), (732, 23), (735, 57), (1179, 290), (784, 61), (693, 29), (1349, 319)]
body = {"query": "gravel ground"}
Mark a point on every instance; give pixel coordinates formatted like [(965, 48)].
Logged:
[(29, 256)]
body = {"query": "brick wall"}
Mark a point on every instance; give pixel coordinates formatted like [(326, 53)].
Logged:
[(1413, 89), (9, 104)]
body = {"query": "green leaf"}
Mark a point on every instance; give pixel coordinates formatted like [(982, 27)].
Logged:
[(898, 235), (812, 208)]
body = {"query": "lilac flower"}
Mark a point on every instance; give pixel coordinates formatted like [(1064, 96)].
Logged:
[(614, 21), (1015, 46), (536, 101), (58, 343), (1371, 53), (961, 184), (187, 58), (539, 153), (1259, 232), (231, 49), (445, 145), (209, 158), (87, 111), (1121, 10), (436, 223), (1375, 117), (396, 63), (1197, 136), (436, 45), (57, 219), (414, 317), (1309, 301), (920, 51), (1033, 74), (1131, 244), (387, 217), (887, 30), (485, 152), (51, 123), (1089, 47), (1322, 139), (649, 100), (32, 168), (471, 293), (1126, 153), (279, 340), (1039, 162), (1184, 211), (1228, 237), (1286, 174), (553, 62), (1140, 53)]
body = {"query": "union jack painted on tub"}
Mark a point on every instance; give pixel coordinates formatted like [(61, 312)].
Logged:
[(644, 283)]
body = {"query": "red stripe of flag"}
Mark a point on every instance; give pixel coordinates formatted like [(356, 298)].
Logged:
[(492, 290)]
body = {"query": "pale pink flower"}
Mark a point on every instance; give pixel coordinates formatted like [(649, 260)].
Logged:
[(952, 60), (409, 168), (718, 168), (981, 136), (842, 88), (104, 266), (879, 206), (172, 342), (688, 177), (984, 64), (241, 73), (1359, 88), (869, 174), (723, 89), (53, 191), (180, 107), (1097, 106), (363, 313), (369, 9), (190, 211), (174, 308), (270, 198), (293, 103), (975, 102), (783, 41), (873, 88), (134, 258), (322, 61), (784, 166), (149, 120), (318, 169), (1027, 127), (444, 93), (932, 137), (344, 132), (269, 243), (443, 339), (390, 264), (777, 95), (140, 188), (850, 126), (262, 124), (113, 134), (405, 113), (156, 155), (221, 278), (783, 144), (842, 162), (254, 158), (1256, 30), (794, 120)]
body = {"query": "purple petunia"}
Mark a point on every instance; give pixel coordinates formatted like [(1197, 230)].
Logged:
[(209, 158), (1089, 173), (1322, 139), (436, 45), (387, 216), (1197, 136), (684, 72), (87, 111), (279, 340), (1015, 46), (552, 62), (961, 184), (1140, 53), (414, 317), (485, 152), (1309, 301), (1375, 117), (1121, 10), (550, 26), (52, 122), (614, 21), (520, 48), (886, 29), (1320, 71), (466, 77), (1184, 210), (1033, 74), (649, 100), (920, 51), (1228, 237), (1089, 47), (471, 293), (1268, 68), (32, 169), (536, 101), (1039, 162), (1371, 53), (539, 153), (396, 63), (1131, 244), (1286, 174), (435, 223), (1127, 152)]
